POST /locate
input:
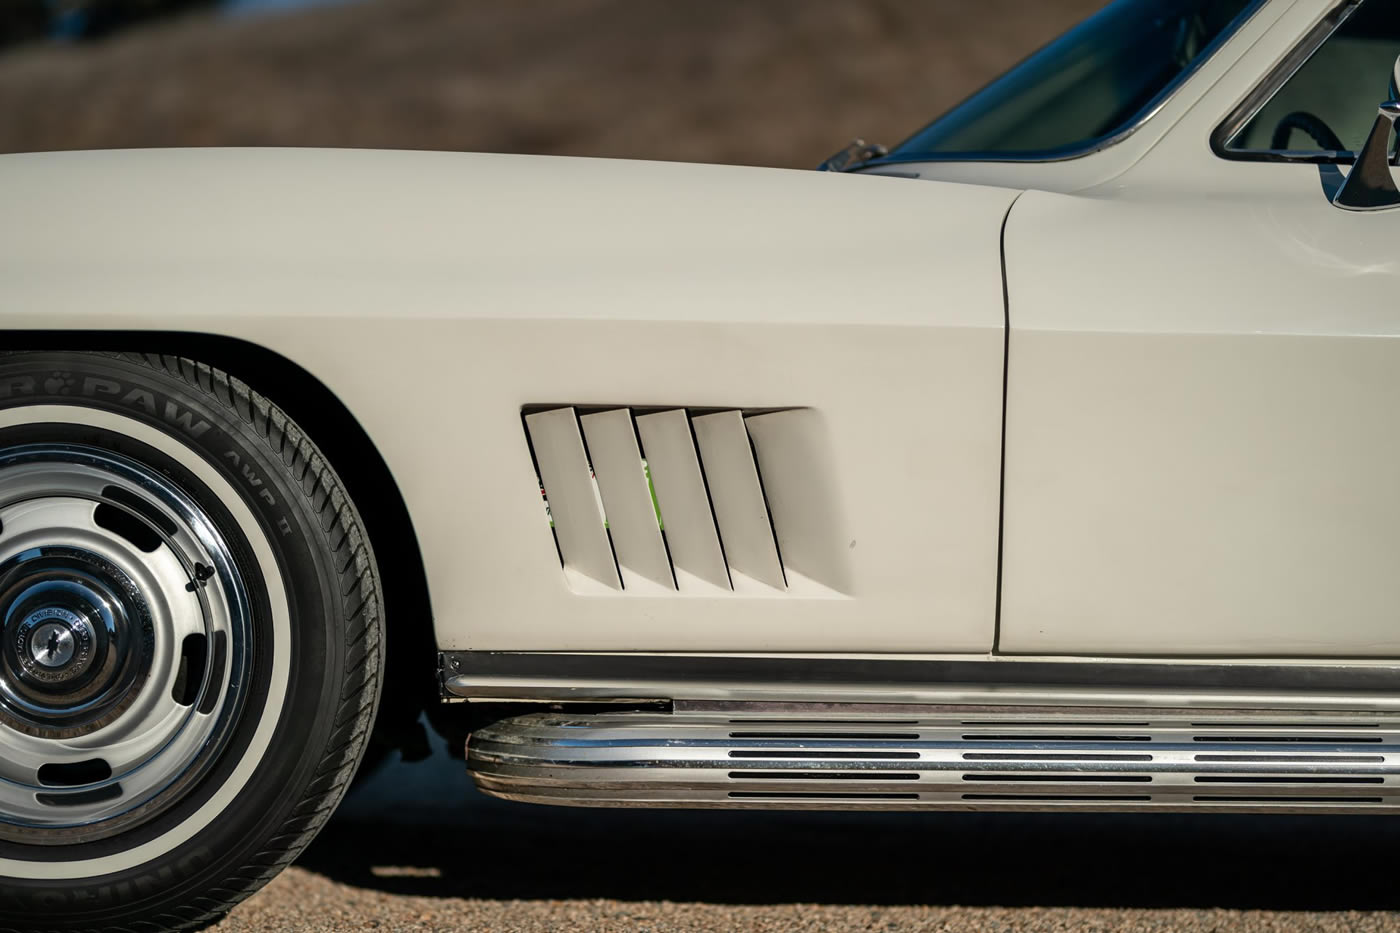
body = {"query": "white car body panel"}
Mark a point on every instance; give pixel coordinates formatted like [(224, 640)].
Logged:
[(1203, 371), (436, 294), (1240, 512)]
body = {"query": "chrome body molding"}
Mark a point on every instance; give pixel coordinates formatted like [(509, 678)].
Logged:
[(916, 682), (954, 758)]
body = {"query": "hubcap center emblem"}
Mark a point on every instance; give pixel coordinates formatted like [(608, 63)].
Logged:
[(52, 644), (55, 644)]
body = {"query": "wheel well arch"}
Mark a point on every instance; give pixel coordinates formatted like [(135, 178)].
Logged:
[(410, 685)]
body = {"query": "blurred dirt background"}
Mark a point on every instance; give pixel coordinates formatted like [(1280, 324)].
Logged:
[(764, 82)]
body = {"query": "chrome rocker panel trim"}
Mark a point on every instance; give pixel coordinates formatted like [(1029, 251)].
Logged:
[(948, 759), (591, 678)]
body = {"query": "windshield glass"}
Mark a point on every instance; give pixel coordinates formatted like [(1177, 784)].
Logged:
[(1092, 83)]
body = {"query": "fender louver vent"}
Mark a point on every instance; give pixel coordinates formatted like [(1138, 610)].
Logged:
[(675, 501)]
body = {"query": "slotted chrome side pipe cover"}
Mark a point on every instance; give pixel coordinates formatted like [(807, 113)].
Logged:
[(949, 758)]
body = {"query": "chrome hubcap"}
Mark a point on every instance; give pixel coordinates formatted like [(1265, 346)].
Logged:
[(77, 640), (124, 639)]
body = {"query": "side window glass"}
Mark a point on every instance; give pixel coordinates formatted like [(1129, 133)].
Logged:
[(1329, 104)]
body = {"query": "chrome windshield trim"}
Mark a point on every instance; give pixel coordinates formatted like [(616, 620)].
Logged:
[(1253, 102), (1135, 123)]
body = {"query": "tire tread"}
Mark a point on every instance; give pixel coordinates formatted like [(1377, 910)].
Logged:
[(347, 544)]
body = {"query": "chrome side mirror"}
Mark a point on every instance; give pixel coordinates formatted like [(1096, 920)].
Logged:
[(1369, 186), (1395, 95)]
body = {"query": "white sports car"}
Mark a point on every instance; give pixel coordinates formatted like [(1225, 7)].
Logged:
[(1048, 460)]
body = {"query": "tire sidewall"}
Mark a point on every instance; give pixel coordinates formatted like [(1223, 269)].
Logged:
[(186, 405)]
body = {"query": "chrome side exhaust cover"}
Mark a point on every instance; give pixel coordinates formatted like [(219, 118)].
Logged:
[(972, 758)]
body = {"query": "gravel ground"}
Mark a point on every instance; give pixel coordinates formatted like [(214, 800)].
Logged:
[(416, 849), (325, 905)]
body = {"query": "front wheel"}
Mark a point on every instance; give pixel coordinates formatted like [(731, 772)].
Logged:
[(190, 641)]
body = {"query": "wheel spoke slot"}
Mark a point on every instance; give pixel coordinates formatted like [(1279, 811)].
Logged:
[(194, 654), (133, 518), (74, 773)]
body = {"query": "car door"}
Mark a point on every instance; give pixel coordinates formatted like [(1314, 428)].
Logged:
[(1203, 401)]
